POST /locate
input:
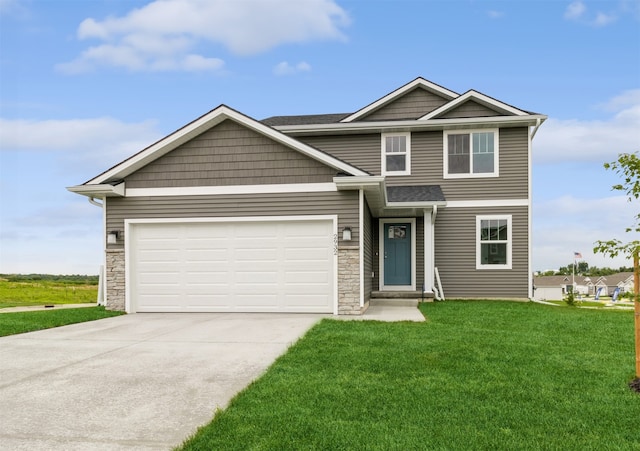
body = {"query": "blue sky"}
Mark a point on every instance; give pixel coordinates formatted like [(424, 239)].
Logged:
[(84, 84)]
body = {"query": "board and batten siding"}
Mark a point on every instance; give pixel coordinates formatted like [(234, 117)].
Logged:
[(342, 203), (412, 105), (455, 256), (230, 154)]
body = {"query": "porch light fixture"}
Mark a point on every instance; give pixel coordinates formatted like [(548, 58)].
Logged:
[(346, 234), (112, 237)]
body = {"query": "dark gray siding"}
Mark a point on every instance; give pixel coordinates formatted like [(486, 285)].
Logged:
[(342, 203), (230, 154), (364, 151), (456, 256), (412, 105), (368, 268), (419, 252), (469, 109)]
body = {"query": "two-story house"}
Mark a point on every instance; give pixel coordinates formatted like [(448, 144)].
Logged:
[(423, 190)]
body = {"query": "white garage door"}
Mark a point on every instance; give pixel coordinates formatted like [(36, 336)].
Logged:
[(262, 266)]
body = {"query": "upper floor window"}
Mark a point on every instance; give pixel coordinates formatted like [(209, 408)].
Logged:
[(396, 154), (471, 154), (493, 242)]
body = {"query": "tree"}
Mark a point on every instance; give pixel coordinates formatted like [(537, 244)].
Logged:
[(628, 167)]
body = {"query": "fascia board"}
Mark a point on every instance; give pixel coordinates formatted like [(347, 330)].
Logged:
[(399, 92), (358, 182), (438, 203), (412, 125), (473, 95), (99, 191), (204, 123)]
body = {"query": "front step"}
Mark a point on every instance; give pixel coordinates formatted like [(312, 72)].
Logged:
[(400, 295), (394, 302)]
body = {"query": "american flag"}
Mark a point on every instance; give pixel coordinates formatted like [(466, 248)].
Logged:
[(577, 255)]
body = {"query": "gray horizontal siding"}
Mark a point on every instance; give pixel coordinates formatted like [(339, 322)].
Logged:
[(230, 154), (342, 203), (411, 105), (427, 166), (362, 151), (469, 109), (455, 256)]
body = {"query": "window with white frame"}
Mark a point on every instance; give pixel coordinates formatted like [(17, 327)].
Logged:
[(493, 242), (471, 154), (396, 154)]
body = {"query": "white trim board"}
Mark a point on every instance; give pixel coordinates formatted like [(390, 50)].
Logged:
[(478, 97), (488, 203), (233, 189)]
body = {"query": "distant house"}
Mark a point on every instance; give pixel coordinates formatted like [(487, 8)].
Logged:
[(547, 288), (551, 288), (622, 280)]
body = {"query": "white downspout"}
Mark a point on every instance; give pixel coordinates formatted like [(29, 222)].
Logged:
[(92, 201), (535, 129)]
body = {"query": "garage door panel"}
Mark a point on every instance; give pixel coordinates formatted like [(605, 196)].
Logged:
[(261, 266)]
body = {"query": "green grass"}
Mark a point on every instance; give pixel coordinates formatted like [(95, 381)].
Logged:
[(21, 322), (16, 293), (477, 375)]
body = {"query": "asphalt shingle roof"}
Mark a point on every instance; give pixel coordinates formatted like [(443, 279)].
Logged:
[(309, 119), (416, 193)]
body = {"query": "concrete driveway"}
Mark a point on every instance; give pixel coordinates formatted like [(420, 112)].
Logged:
[(141, 381)]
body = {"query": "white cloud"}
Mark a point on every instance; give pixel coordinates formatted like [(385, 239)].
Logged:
[(164, 34), (8, 7), (603, 19), (575, 10), (569, 224), (84, 142), (595, 140), (284, 68)]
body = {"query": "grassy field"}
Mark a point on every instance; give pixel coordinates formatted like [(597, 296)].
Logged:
[(16, 291), (477, 375), (21, 322)]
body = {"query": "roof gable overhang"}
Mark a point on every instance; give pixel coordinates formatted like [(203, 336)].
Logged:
[(414, 125), (204, 123), (418, 82), (482, 99), (99, 190)]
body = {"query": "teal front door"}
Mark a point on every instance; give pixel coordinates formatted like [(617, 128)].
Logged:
[(397, 254)]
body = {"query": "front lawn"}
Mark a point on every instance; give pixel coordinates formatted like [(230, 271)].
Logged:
[(21, 322), (476, 375), (16, 291)]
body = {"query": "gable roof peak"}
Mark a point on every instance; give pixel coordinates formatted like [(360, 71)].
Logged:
[(418, 82), (479, 97)]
